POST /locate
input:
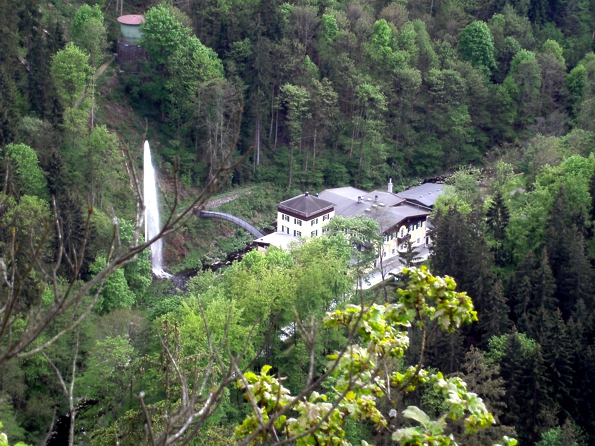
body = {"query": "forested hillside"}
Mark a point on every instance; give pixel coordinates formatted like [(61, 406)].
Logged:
[(259, 100)]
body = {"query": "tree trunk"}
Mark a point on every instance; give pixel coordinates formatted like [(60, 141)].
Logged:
[(276, 127), (257, 145), (290, 163), (272, 113), (314, 151)]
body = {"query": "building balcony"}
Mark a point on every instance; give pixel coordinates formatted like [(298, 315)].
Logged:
[(403, 239)]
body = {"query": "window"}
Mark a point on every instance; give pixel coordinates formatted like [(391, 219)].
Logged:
[(410, 228), (282, 228), (297, 233), (287, 229), (383, 253), (297, 221), (418, 241), (314, 222), (394, 234), (393, 252), (287, 218), (385, 238), (326, 217), (314, 233), (284, 217), (402, 233)]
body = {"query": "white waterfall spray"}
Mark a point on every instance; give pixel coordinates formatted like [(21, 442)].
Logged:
[(152, 221)]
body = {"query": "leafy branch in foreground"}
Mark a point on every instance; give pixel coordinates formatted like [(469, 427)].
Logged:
[(366, 371)]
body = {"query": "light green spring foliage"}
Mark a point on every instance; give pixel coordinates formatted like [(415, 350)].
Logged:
[(115, 292), (4, 439), (162, 33), (24, 164), (82, 16), (359, 231), (28, 218), (109, 369), (460, 191), (357, 374), (71, 70), (527, 222), (476, 45), (88, 31), (497, 345), (329, 28)]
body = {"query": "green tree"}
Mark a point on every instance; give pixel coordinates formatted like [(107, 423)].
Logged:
[(497, 218), (70, 70), (115, 292), (90, 34), (297, 103), (357, 400), (26, 176), (523, 370), (163, 33), (109, 371), (476, 45)]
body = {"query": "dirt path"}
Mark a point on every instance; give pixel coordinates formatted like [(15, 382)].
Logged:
[(220, 201), (98, 73)]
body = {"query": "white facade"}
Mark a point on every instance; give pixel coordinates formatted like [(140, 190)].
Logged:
[(300, 227)]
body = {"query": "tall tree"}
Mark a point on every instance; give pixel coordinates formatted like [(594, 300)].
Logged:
[(476, 45), (297, 103), (497, 218)]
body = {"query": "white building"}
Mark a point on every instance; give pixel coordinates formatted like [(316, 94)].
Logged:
[(402, 217)]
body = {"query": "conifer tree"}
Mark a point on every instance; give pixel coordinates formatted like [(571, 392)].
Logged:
[(558, 355), (483, 377), (9, 114), (497, 218), (566, 253), (494, 320), (521, 291), (528, 404), (543, 284), (447, 352)]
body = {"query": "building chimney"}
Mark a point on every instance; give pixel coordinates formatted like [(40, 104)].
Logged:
[(316, 194), (390, 185), (306, 193), (360, 199), (375, 198)]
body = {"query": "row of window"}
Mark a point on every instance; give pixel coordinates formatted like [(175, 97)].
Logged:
[(412, 227), (299, 233), (297, 221)]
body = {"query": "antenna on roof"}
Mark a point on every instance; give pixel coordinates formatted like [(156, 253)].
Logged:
[(390, 185)]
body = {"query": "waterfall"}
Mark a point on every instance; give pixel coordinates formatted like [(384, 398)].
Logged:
[(152, 222)]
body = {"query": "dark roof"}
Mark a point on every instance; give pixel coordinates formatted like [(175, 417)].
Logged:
[(131, 19), (386, 198), (424, 194), (384, 211), (305, 205), (345, 205)]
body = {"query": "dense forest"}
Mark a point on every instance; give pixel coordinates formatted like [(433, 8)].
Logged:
[(247, 103)]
